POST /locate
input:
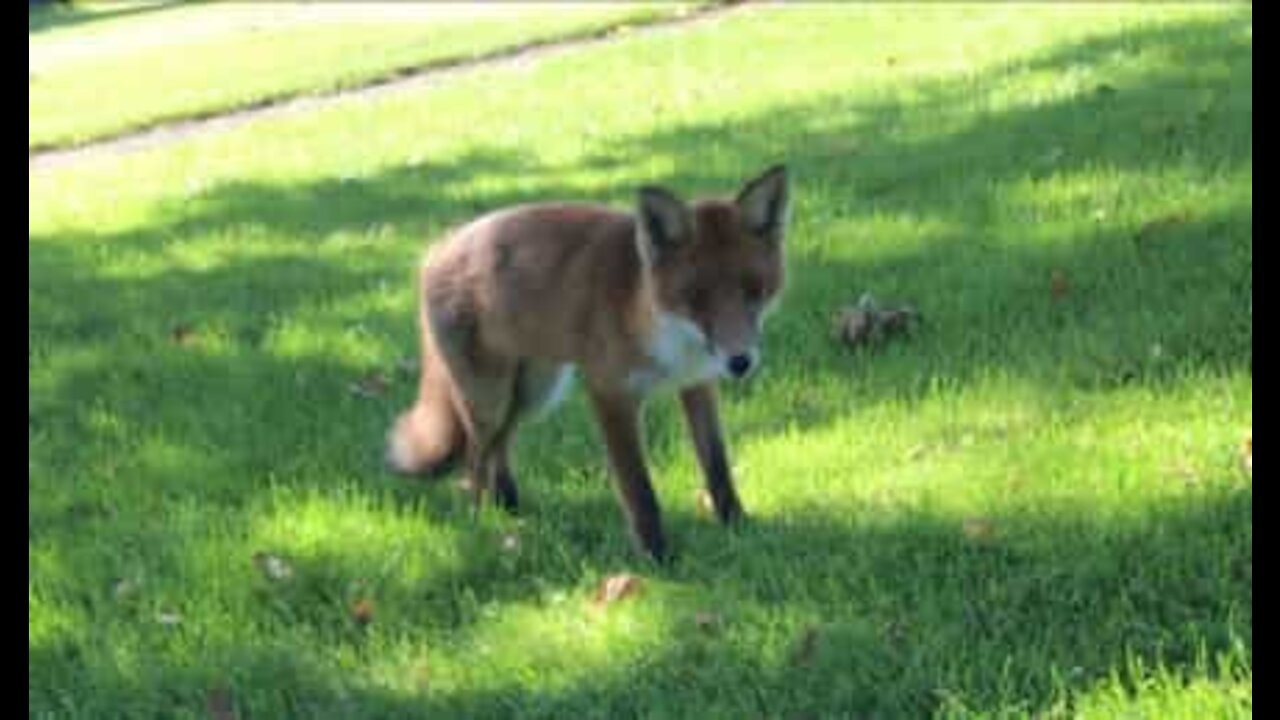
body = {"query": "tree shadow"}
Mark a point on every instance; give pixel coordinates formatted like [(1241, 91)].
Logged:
[(911, 619), (52, 16), (1150, 587)]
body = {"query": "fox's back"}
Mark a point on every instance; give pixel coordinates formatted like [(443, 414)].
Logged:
[(541, 280)]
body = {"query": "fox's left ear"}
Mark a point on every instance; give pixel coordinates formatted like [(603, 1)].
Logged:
[(765, 202)]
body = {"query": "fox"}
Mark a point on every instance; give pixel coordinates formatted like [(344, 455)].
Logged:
[(670, 296)]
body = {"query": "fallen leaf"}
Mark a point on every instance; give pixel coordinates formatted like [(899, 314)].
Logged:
[(852, 326), (362, 611), (372, 385), (867, 323), (218, 703), (979, 529), (707, 622), (511, 542), (272, 566), (805, 647), (168, 618), (615, 588), (1059, 286), (897, 320), (183, 334)]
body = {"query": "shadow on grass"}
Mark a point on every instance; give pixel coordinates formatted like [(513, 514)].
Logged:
[(909, 618), (985, 626), (55, 15)]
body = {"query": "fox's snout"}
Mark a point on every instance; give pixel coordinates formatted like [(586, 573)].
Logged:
[(741, 365), (733, 336)]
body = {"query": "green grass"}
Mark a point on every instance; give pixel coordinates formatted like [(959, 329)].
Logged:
[(1034, 507), (166, 62)]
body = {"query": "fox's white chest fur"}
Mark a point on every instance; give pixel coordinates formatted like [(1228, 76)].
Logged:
[(679, 354)]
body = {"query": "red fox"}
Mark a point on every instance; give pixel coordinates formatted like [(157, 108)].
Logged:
[(670, 297)]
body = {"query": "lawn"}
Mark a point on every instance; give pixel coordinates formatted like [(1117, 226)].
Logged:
[(170, 61), (1037, 505)]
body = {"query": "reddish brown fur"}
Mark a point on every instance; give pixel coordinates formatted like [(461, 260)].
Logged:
[(516, 294), (722, 279)]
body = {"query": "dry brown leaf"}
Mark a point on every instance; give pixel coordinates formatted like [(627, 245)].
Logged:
[(866, 323), (1059, 286), (852, 325), (183, 334), (805, 647), (219, 705), (362, 611), (707, 622), (615, 588)]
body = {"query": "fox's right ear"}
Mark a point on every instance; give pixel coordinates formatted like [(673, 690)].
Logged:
[(663, 222), (765, 201)]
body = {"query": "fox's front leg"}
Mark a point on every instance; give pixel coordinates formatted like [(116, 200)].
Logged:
[(619, 417), (703, 417)]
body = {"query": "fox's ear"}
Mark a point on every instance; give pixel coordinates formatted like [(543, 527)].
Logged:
[(663, 221), (765, 201)]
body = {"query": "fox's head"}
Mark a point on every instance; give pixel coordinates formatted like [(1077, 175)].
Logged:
[(718, 264)]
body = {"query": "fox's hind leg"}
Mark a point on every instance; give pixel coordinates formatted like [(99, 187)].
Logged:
[(485, 388), (539, 387)]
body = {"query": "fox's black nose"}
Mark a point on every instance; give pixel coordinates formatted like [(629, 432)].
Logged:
[(739, 365)]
